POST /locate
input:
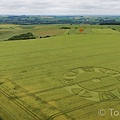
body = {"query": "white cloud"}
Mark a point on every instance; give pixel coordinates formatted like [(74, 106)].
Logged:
[(60, 7)]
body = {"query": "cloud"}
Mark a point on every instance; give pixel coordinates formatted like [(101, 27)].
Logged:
[(60, 7)]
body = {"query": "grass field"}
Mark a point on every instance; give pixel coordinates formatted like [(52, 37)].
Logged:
[(63, 77)]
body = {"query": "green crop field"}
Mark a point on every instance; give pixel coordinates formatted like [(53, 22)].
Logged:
[(73, 76)]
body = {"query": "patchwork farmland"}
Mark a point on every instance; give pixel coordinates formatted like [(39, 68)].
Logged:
[(70, 75)]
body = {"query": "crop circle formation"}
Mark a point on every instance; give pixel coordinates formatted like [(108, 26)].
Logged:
[(93, 83)]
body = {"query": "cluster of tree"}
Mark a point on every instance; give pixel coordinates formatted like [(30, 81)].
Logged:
[(1, 118), (24, 36), (65, 28), (113, 29), (44, 36), (117, 23)]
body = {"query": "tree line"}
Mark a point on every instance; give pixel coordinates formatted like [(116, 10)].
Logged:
[(24, 36)]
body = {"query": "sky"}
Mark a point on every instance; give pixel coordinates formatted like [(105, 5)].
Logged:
[(59, 7)]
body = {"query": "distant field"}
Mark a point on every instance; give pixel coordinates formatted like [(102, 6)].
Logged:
[(63, 77), (105, 31)]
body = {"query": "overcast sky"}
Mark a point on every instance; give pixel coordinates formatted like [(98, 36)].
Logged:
[(60, 7)]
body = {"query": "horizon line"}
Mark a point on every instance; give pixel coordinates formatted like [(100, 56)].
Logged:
[(57, 15)]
